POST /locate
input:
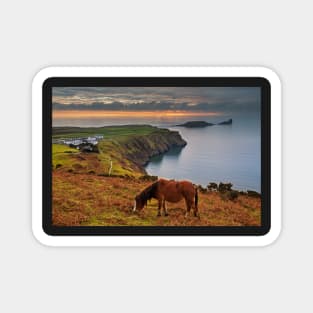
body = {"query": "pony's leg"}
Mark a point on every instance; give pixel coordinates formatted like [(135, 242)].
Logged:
[(188, 207), (164, 208), (159, 208)]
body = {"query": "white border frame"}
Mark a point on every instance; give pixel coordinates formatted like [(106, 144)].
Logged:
[(156, 241)]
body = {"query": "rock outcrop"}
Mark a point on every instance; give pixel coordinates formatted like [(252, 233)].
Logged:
[(200, 124)]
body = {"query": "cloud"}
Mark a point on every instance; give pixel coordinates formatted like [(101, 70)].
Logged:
[(217, 99)]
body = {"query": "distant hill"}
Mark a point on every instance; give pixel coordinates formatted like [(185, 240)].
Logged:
[(192, 124), (199, 124), (228, 122)]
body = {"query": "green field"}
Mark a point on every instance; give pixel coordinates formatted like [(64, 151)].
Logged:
[(109, 132), (122, 152)]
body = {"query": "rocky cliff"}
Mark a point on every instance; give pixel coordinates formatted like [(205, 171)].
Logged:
[(139, 149)]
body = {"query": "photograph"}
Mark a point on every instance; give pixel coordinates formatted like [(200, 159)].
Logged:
[(156, 156)]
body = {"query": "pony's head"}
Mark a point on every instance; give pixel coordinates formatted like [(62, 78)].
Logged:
[(142, 198), (140, 202)]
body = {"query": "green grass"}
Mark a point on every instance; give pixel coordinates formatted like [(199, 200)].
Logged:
[(114, 147), (62, 156), (109, 132), (56, 149)]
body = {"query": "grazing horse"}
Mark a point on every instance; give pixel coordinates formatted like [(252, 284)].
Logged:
[(171, 191)]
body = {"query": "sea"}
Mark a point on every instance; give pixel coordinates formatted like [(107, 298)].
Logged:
[(219, 153)]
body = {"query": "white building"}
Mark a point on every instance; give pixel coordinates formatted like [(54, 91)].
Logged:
[(74, 142), (78, 141)]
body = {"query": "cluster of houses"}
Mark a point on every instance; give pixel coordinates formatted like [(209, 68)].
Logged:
[(84, 143)]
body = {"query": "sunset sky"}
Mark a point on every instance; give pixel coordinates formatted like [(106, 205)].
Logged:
[(174, 100)]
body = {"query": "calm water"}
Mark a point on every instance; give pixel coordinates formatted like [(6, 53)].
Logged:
[(229, 153)]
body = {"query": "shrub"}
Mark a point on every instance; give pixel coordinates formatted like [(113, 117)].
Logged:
[(222, 187), (231, 195), (58, 166), (202, 189), (212, 187), (252, 193)]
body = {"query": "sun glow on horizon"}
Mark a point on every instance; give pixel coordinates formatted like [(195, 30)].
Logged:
[(71, 114)]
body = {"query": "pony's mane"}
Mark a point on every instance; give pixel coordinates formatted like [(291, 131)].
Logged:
[(148, 192)]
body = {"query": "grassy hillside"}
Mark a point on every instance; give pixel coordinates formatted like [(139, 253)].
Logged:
[(81, 199), (123, 151)]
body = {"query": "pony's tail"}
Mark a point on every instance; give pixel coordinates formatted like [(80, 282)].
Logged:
[(196, 198)]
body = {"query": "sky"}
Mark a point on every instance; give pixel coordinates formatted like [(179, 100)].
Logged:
[(189, 99)]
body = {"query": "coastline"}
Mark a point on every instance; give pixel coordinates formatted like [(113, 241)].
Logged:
[(128, 147)]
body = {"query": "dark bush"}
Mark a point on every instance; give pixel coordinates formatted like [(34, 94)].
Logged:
[(222, 187), (202, 189), (58, 166), (212, 187), (231, 195), (254, 194)]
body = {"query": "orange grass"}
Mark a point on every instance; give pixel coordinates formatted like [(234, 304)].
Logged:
[(91, 200)]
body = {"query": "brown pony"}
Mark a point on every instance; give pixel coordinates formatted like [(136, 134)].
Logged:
[(171, 191)]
